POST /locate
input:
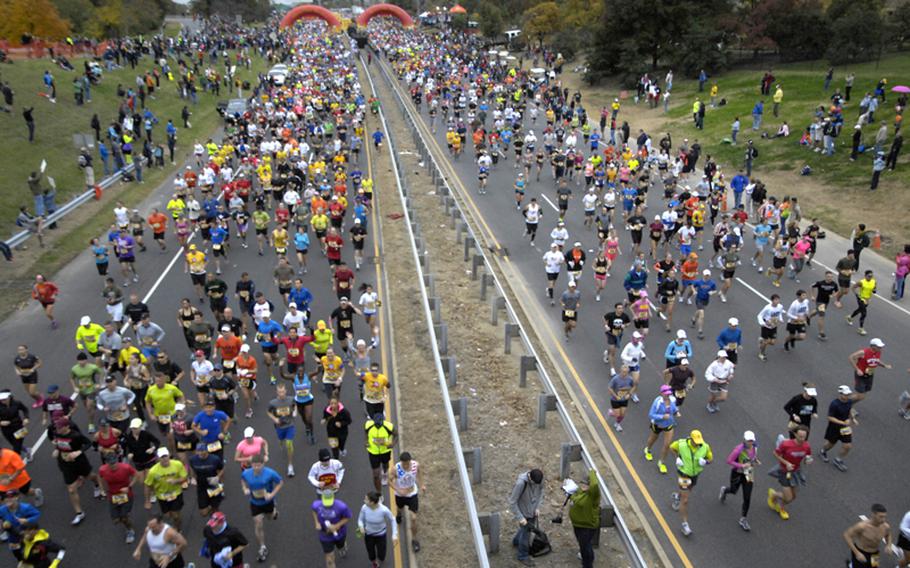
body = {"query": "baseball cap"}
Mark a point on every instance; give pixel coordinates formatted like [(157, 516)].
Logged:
[(110, 379), (179, 406), (320, 324), (225, 328), (876, 342), (199, 353), (85, 320), (695, 436), (681, 334), (216, 519), (706, 272), (52, 389), (666, 389), (357, 221), (136, 423), (163, 452), (577, 244), (292, 305), (361, 343), (325, 454), (844, 389), (733, 321), (343, 299), (636, 335), (749, 435), (202, 447), (811, 391), (721, 353), (684, 361), (328, 499), (5, 395), (245, 348), (192, 247), (248, 432)]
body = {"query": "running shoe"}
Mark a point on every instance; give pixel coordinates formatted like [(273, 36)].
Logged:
[(661, 467), (744, 523), (686, 530), (648, 455), (723, 494), (80, 516), (675, 503)]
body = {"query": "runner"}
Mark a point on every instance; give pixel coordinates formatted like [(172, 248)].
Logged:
[(791, 455), (373, 523), (864, 290), (667, 293), (823, 290), (620, 388), (140, 447), (704, 289), (70, 447), (718, 374), (158, 222), (212, 425), (195, 261), (26, 366), (14, 422), (662, 416), (768, 319), (380, 437), (267, 333), (615, 323), (631, 356), (406, 481), (797, 319), (570, 302), (742, 461), (331, 516), (119, 479), (224, 543), (165, 544), (282, 411), (802, 409), (167, 480), (845, 267), (840, 427), (553, 261), (45, 293), (866, 537), (261, 484), (14, 477), (681, 379), (336, 418), (864, 363), (161, 400), (692, 455)]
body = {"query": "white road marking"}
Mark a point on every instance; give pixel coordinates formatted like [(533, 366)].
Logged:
[(547, 199), (753, 290)]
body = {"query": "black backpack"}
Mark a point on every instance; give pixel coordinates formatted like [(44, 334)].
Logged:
[(540, 543)]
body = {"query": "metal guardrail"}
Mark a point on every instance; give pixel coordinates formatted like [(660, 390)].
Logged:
[(625, 535), (68, 207), (479, 545)]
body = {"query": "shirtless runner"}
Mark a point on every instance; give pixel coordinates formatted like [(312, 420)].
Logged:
[(865, 537)]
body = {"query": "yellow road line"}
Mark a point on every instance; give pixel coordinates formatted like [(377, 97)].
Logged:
[(576, 377)]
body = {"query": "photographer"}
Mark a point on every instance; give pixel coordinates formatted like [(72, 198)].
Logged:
[(524, 503), (585, 516)]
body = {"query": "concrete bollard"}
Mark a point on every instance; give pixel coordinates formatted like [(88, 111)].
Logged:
[(498, 303), (476, 262), (468, 245), (570, 452), (511, 330), (546, 402), (451, 370), (486, 282), (474, 462), (442, 337), (490, 525), (460, 409), (528, 363)]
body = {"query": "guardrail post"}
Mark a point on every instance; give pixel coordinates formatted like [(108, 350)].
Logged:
[(511, 330), (456, 217), (425, 261), (570, 452), (490, 525), (460, 409), (486, 281), (450, 368), (435, 309), (443, 189), (498, 303), (476, 262), (468, 245), (546, 402), (460, 229), (442, 337), (474, 462), (528, 363), (430, 282)]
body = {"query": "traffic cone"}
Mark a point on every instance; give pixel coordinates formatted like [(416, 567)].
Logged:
[(877, 242), (98, 192)]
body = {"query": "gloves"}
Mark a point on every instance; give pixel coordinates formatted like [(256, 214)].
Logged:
[(679, 462), (702, 461)]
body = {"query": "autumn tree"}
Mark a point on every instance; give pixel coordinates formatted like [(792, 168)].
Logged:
[(35, 18), (542, 20)]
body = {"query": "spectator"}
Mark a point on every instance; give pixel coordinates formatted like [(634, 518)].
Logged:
[(878, 166), (85, 162), (585, 516), (524, 503), (783, 131), (857, 141), (29, 122), (777, 98), (757, 111), (880, 138), (895, 151)]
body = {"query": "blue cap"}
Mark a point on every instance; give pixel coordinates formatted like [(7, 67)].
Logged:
[(202, 447), (52, 389)]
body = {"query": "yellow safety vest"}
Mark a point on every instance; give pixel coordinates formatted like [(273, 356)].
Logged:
[(378, 436)]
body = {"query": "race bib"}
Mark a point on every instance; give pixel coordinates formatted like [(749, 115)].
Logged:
[(570, 313), (227, 363), (684, 482), (184, 446), (214, 446), (216, 247), (293, 352), (333, 442), (343, 284), (259, 493), (302, 393), (120, 498), (679, 393), (846, 431), (730, 347), (221, 394), (244, 294), (165, 419), (246, 383), (822, 308), (215, 491), (20, 433)]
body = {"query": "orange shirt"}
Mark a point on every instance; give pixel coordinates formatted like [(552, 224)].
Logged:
[(246, 363), (10, 463), (229, 348), (318, 204), (158, 221), (690, 269)]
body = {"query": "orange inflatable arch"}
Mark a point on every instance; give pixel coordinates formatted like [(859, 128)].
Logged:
[(309, 12), (385, 10)]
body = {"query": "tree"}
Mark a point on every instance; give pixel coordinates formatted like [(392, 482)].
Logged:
[(856, 32), (490, 19), (542, 20), (37, 18), (79, 13)]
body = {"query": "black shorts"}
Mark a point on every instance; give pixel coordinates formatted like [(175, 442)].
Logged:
[(127, 259), (613, 339), (779, 262), (271, 349), (843, 282), (377, 460), (641, 323), (903, 542), (862, 383), (164, 428), (284, 290), (144, 466), (158, 236), (197, 279), (75, 470), (328, 547), (618, 403), (768, 332), (658, 429), (412, 502), (567, 317), (171, 506), (29, 379), (833, 434), (728, 274), (262, 232), (552, 276), (796, 328), (266, 509)]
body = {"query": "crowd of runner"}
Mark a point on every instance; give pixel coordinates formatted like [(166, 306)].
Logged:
[(501, 116), (159, 427)]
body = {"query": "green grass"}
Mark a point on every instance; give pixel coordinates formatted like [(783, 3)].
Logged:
[(172, 29), (802, 84), (56, 123)]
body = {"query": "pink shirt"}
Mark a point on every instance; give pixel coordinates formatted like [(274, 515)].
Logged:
[(249, 448)]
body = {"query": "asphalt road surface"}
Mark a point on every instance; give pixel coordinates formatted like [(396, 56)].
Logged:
[(292, 539), (832, 500)]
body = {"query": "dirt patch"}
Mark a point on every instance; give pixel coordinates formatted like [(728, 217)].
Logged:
[(502, 415)]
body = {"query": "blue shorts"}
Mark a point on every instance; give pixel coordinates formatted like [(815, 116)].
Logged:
[(687, 283), (634, 368), (685, 250), (627, 206), (286, 433)]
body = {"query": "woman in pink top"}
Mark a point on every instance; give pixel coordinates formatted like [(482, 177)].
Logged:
[(250, 446), (901, 271)]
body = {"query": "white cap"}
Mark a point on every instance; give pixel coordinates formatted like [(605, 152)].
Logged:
[(636, 335), (811, 391), (733, 321), (681, 334), (136, 423), (844, 389), (572, 284), (749, 435), (683, 361), (577, 244), (248, 432), (876, 342), (179, 406), (245, 348), (721, 353), (706, 272), (5, 395), (225, 328), (162, 452), (292, 305), (85, 320), (657, 217)]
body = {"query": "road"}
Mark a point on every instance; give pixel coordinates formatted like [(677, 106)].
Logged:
[(162, 284), (832, 500)]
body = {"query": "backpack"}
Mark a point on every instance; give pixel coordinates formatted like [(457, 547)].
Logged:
[(539, 543)]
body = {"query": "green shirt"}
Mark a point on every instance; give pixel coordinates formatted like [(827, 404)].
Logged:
[(163, 399), (585, 510), (260, 219), (166, 482), (84, 377)]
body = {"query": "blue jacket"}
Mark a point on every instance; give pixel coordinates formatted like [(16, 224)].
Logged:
[(301, 297), (738, 183), (658, 409), (673, 349), (728, 335), (25, 511), (635, 280)]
